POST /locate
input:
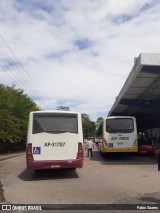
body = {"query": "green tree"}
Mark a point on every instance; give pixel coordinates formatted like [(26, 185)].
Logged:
[(98, 122), (14, 110), (89, 127)]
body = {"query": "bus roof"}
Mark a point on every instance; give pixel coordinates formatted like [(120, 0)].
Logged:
[(55, 111), (113, 117)]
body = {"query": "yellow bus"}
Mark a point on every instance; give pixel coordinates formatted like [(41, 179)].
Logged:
[(118, 134)]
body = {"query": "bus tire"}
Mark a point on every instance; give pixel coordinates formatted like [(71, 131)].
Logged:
[(37, 171), (102, 154)]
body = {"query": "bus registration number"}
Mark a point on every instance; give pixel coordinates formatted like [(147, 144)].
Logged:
[(123, 138), (54, 144)]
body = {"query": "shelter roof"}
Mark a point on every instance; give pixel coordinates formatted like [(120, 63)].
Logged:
[(140, 95)]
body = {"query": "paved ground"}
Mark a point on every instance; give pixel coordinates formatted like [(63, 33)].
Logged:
[(114, 180)]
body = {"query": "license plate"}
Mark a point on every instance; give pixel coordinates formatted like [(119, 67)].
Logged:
[(55, 166)]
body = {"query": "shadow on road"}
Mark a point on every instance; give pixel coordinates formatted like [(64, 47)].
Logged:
[(123, 159), (28, 175)]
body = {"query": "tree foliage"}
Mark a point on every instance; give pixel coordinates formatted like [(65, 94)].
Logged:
[(14, 110), (89, 127), (98, 123), (99, 120)]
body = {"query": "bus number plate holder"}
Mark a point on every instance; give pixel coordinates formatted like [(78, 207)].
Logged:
[(121, 143)]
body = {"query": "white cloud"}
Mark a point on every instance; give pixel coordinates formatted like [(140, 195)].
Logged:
[(46, 36)]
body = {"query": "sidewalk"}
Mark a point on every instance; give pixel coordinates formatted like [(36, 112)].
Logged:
[(11, 155)]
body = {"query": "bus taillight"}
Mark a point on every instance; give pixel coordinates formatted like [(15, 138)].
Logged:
[(135, 142), (80, 151), (105, 141), (29, 152)]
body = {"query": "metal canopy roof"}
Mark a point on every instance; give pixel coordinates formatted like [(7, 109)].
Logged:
[(140, 95)]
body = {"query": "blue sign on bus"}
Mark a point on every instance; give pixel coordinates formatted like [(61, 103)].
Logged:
[(36, 150)]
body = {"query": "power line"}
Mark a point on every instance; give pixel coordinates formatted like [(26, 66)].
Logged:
[(14, 71), (17, 73)]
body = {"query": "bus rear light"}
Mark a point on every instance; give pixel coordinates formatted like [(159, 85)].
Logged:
[(80, 151), (29, 152), (105, 141), (135, 142)]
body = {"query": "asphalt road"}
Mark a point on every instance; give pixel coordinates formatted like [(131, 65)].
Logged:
[(111, 180)]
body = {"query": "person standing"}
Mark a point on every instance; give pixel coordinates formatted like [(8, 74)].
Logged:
[(89, 147)]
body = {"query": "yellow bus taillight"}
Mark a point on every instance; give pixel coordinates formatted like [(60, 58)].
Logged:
[(135, 142), (105, 141)]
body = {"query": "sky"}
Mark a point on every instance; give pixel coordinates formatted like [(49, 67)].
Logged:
[(75, 53)]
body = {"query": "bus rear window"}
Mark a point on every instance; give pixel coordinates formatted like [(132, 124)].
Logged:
[(124, 125), (55, 123)]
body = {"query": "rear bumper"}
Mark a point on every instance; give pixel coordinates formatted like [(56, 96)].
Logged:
[(156, 153), (54, 164), (113, 150), (145, 149)]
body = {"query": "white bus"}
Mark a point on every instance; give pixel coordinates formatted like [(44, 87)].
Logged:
[(54, 140), (119, 134)]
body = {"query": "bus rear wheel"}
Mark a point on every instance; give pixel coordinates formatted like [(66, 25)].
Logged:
[(102, 154)]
